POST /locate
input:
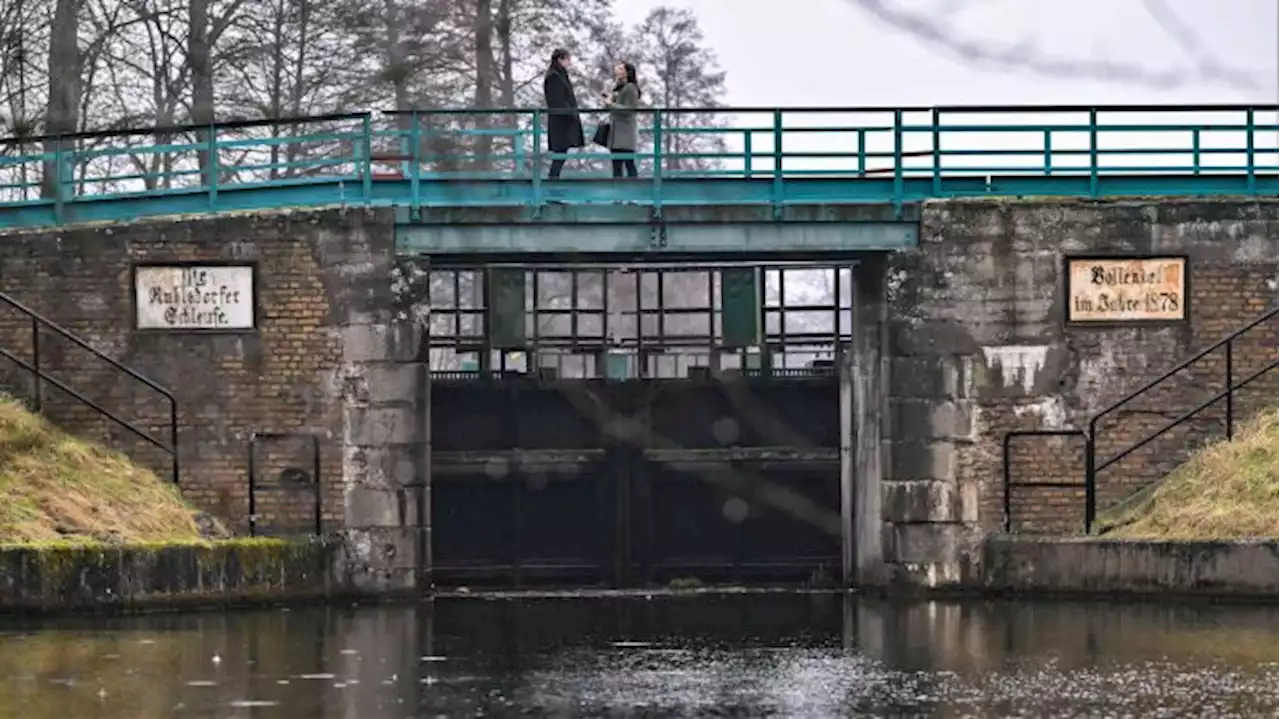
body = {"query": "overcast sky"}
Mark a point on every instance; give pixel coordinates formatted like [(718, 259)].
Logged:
[(830, 52)]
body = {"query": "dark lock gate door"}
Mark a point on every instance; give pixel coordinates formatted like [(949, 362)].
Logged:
[(643, 482)]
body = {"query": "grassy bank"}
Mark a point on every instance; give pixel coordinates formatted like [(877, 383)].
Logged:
[(55, 488), (1229, 490)]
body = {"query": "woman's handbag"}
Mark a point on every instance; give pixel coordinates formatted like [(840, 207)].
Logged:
[(601, 137)]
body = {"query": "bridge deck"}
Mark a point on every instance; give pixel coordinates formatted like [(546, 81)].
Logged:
[(771, 159)]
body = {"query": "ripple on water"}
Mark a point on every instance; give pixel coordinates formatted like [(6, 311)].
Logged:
[(687, 657), (834, 683)]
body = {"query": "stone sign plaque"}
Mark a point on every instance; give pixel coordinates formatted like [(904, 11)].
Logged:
[(196, 297), (1126, 289)]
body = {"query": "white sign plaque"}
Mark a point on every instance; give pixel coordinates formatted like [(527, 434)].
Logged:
[(194, 297)]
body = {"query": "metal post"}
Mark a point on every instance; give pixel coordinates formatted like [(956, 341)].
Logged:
[(1251, 175), (59, 169), (746, 153), (366, 157), (173, 438), (253, 507), (897, 164), (934, 120), (319, 486), (1093, 152), (1090, 482), (1230, 398), (1195, 151), (1048, 152), (777, 165), (862, 152), (1008, 490), (38, 388), (658, 139), (212, 142), (848, 441), (415, 167), (537, 160)]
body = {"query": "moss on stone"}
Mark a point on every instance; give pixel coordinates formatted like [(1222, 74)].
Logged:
[(65, 575)]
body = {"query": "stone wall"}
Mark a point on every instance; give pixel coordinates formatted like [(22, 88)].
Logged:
[(1043, 565), (53, 579), (978, 347), (324, 329), (967, 344)]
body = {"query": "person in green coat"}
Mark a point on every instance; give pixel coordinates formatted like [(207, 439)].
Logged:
[(622, 102)]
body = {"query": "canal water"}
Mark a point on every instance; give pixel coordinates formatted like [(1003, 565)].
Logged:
[(746, 655)]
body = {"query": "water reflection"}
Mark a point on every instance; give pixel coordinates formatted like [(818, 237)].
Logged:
[(795, 655)]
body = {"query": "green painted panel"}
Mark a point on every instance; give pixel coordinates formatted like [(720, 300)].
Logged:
[(619, 364), (504, 308), (740, 303)]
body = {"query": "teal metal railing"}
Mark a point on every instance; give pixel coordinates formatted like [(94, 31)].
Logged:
[(776, 156)]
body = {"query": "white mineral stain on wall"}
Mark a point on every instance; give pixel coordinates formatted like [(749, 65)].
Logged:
[(1051, 411), (1018, 363)]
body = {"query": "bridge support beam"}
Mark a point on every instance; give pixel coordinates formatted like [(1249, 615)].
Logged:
[(848, 480), (863, 401)]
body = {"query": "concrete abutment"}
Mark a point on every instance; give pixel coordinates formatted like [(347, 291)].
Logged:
[(954, 343)]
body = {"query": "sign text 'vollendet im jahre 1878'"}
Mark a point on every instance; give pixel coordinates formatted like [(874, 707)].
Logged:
[(1126, 289), (196, 297)]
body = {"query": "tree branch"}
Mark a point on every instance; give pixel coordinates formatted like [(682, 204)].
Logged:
[(982, 51)]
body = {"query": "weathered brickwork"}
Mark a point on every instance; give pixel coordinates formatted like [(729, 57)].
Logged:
[(324, 319), (964, 341), (979, 347)]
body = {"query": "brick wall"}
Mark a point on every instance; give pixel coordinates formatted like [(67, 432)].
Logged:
[(979, 347), (975, 346), (318, 274)]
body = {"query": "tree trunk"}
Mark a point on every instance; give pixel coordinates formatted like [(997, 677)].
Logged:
[(276, 100), (485, 76), (299, 73), (396, 62), (507, 79), (200, 65), (62, 116), (505, 41), (396, 69)]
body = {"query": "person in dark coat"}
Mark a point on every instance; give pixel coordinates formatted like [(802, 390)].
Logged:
[(622, 102), (564, 127)]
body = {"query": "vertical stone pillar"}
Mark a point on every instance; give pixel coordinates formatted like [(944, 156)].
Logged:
[(378, 381), (381, 430), (869, 371)]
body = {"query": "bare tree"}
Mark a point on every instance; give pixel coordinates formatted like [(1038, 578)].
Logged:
[(938, 28), (62, 114), (24, 26), (682, 74)]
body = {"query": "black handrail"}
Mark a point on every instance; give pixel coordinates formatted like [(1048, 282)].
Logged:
[(1223, 394), (1092, 467), (232, 124), (317, 486), (39, 377), (1090, 434), (838, 109), (238, 123), (1181, 366), (1010, 485)]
